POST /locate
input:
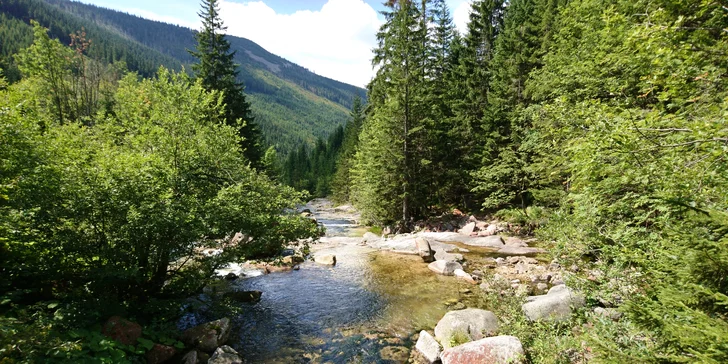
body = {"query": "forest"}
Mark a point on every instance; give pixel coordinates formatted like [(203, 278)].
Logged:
[(596, 126), (292, 105)]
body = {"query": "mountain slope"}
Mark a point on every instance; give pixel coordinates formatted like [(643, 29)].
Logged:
[(291, 104)]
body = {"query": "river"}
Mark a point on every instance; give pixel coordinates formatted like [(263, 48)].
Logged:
[(365, 309)]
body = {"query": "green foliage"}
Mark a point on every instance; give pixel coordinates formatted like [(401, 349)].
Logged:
[(290, 104), (105, 217), (312, 171), (342, 179), (217, 71)]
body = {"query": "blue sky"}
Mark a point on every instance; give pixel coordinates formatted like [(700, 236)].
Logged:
[(333, 38)]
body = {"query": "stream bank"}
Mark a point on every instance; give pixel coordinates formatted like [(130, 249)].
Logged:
[(372, 304)]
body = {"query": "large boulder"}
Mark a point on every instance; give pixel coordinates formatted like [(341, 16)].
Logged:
[(461, 274), (370, 236), (493, 241), (225, 355), (424, 249), (468, 229), (491, 350), (441, 254), (556, 305), (328, 259), (208, 336), (160, 354), (195, 357), (515, 250), (122, 330), (428, 347), (444, 267), (468, 324)]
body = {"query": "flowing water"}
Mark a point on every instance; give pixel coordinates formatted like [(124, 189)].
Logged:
[(365, 309)]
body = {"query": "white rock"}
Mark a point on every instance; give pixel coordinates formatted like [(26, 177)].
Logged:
[(428, 347), (473, 323), (328, 259), (444, 267)]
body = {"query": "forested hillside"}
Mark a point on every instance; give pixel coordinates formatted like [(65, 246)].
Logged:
[(291, 104)]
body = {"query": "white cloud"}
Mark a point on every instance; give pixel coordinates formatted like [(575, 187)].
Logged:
[(461, 15), (335, 41)]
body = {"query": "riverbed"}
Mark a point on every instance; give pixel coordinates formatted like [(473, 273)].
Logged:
[(365, 309)]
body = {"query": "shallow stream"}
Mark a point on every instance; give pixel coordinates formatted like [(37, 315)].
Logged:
[(365, 309)]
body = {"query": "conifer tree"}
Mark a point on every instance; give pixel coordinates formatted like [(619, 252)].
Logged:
[(218, 71), (342, 178), (504, 176), (393, 139), (470, 86)]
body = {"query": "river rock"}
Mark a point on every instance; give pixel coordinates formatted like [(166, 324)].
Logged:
[(195, 357), (514, 250), (122, 330), (443, 255), (556, 305), (424, 249), (428, 347), (493, 241), (468, 229), (496, 350), (444, 267), (225, 355), (271, 268), (160, 354), (244, 296), (472, 323), (461, 274), (328, 259), (208, 336), (369, 236)]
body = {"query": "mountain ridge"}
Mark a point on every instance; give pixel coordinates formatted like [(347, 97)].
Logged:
[(291, 104)]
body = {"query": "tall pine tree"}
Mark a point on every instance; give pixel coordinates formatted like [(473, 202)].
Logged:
[(470, 87), (391, 156), (218, 71)]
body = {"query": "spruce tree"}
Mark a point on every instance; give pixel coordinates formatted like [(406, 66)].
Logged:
[(470, 86), (505, 176), (392, 144), (218, 71), (341, 181)]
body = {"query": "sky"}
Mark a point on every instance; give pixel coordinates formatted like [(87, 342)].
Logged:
[(333, 38)]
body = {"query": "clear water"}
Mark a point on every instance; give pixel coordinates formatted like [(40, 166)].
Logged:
[(363, 310)]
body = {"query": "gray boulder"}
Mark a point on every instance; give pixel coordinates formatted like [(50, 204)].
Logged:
[(208, 336), (468, 229), (514, 250), (470, 324), (424, 249), (369, 236), (428, 347), (443, 255), (225, 355), (498, 349), (444, 267), (556, 305)]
